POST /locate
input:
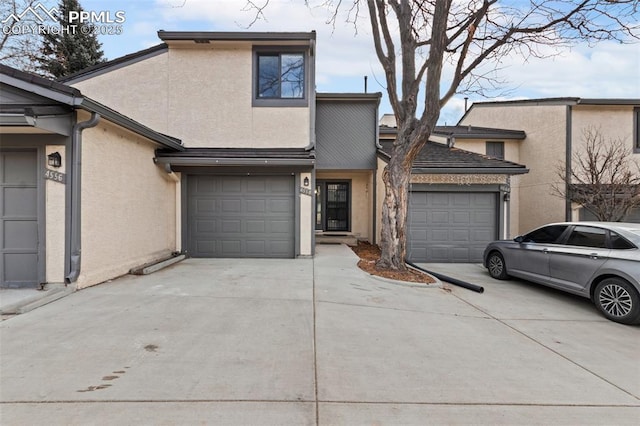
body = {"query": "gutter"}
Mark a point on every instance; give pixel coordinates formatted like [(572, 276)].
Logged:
[(212, 161), (129, 124), (470, 170), (76, 181)]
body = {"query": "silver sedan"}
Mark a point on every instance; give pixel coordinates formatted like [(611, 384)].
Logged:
[(598, 260)]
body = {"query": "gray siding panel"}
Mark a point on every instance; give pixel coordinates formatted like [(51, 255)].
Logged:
[(345, 135)]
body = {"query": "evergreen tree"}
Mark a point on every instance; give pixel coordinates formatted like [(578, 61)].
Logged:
[(73, 48)]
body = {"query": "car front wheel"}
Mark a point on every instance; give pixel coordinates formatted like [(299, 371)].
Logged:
[(496, 266), (618, 300)]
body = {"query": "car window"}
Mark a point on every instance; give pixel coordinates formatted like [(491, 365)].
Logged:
[(586, 236), (617, 242), (545, 235)]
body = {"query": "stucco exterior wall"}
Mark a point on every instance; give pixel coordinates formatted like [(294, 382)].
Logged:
[(511, 147), (306, 218), (55, 220), (139, 90), (202, 96), (128, 204), (543, 151), (361, 200), (613, 122)]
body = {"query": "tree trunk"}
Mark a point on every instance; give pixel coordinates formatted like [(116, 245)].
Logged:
[(393, 243)]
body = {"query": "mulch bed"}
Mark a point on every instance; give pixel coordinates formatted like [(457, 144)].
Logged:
[(369, 255)]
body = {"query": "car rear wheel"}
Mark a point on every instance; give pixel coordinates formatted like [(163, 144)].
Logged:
[(496, 266), (618, 300)]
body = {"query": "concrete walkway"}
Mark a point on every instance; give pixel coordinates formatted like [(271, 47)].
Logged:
[(304, 342)]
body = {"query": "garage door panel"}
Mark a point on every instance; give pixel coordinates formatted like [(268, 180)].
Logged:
[(257, 186), (462, 217), (437, 235), (231, 185), (459, 254), (254, 216), (458, 228), (230, 205), (256, 206), (440, 217), (460, 235), (256, 247), (461, 200)]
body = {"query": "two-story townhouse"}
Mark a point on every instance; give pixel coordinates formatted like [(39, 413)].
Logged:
[(263, 164), (554, 136), (244, 105)]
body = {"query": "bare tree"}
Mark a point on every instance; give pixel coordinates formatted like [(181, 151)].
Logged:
[(415, 40), (20, 41), (604, 178)]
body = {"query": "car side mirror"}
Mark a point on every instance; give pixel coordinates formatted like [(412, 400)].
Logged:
[(519, 239)]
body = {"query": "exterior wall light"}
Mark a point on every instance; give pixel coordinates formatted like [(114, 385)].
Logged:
[(54, 159), (306, 181)]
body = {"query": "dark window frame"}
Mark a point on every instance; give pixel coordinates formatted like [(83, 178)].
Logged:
[(490, 152), (279, 101)]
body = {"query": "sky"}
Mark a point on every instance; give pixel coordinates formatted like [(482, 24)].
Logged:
[(345, 52)]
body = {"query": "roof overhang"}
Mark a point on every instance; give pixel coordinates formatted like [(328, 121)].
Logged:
[(470, 170), (211, 157), (204, 38)]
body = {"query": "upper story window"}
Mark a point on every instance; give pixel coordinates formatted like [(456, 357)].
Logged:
[(495, 150), (280, 78)]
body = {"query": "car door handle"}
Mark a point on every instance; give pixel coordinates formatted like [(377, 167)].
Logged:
[(593, 255), (545, 251)]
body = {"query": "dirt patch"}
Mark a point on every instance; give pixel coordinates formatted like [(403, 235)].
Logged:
[(369, 255)]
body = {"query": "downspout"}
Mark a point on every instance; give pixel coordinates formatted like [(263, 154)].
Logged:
[(76, 181), (568, 165)]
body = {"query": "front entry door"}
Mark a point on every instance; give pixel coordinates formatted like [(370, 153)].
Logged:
[(19, 224), (332, 206)]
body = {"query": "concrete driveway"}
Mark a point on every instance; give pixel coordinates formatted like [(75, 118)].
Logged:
[(315, 342)]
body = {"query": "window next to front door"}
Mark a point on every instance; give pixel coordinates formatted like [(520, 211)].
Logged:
[(333, 210)]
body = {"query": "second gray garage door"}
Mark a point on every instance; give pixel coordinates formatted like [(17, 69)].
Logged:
[(451, 227), (241, 216)]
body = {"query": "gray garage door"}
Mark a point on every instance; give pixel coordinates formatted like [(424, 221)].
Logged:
[(240, 216), (450, 226), (19, 218)]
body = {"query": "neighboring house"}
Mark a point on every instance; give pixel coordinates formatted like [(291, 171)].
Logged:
[(459, 200), (554, 133), (80, 197)]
